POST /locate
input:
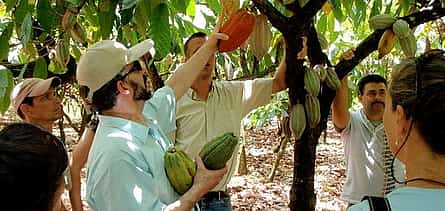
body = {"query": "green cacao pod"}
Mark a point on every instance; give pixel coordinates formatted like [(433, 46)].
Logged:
[(321, 70), (312, 106), (332, 79), (408, 45), (68, 20), (261, 37), (218, 151), (298, 120), (180, 169), (401, 29), (311, 82), (381, 21), (62, 55)]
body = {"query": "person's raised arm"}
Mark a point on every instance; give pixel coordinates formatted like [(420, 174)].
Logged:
[(279, 82), (340, 113), (183, 78)]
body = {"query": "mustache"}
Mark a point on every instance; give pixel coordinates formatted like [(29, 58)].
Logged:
[(378, 101)]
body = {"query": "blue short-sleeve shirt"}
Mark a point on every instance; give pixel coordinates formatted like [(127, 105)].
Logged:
[(126, 164)]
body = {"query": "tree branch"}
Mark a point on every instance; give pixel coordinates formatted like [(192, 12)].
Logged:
[(278, 20), (312, 7)]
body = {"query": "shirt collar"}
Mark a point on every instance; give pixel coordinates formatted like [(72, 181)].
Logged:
[(140, 131)]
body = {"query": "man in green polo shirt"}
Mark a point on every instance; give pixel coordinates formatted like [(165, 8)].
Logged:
[(125, 163)]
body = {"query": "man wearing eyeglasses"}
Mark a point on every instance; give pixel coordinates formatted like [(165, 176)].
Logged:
[(125, 163), (35, 101)]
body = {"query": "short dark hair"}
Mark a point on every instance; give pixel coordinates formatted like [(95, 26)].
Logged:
[(371, 78), (194, 35), (32, 163)]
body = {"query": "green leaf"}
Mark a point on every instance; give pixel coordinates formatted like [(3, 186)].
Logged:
[(160, 30), (22, 10), (6, 85), (26, 30), (72, 3), (126, 15), (4, 40), (10, 4), (337, 8), (40, 69), (45, 15), (191, 8), (179, 5), (141, 16), (215, 6), (322, 24), (106, 17), (376, 8)]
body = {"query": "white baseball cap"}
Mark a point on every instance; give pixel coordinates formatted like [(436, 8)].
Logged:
[(31, 87)]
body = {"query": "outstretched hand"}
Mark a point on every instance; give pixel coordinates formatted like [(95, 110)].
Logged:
[(216, 35)]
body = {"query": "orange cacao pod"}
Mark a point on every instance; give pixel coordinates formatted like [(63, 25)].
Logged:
[(261, 37), (238, 27)]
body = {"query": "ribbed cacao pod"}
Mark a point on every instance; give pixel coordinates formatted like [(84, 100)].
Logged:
[(62, 55), (298, 120), (238, 27), (180, 169), (311, 82), (322, 72), (386, 43), (401, 28), (332, 80), (218, 151), (381, 21), (230, 6), (78, 33), (261, 37), (324, 44), (408, 45), (312, 106), (68, 20)]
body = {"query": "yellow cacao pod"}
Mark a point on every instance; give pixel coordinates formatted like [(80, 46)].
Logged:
[(312, 106), (408, 45), (386, 43), (298, 120), (261, 37), (238, 27), (381, 21), (401, 28), (218, 151), (230, 6), (78, 33), (180, 169), (332, 80), (311, 82), (62, 55)]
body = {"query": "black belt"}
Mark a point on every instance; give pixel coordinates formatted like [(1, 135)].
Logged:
[(215, 195)]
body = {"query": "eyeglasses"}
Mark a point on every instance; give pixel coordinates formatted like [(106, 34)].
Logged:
[(420, 63)]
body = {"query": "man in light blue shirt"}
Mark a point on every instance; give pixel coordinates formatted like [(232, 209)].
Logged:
[(126, 166)]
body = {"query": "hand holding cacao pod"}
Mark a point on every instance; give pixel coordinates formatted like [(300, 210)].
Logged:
[(180, 169), (218, 151), (238, 27)]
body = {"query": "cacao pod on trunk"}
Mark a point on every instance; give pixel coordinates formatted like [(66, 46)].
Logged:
[(311, 82), (401, 28), (218, 151), (62, 55), (408, 45), (381, 21), (180, 169), (332, 79), (312, 106), (386, 43), (261, 37), (78, 33), (321, 70), (298, 120), (238, 27)]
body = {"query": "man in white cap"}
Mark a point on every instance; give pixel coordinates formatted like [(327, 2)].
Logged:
[(35, 101), (125, 163)]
